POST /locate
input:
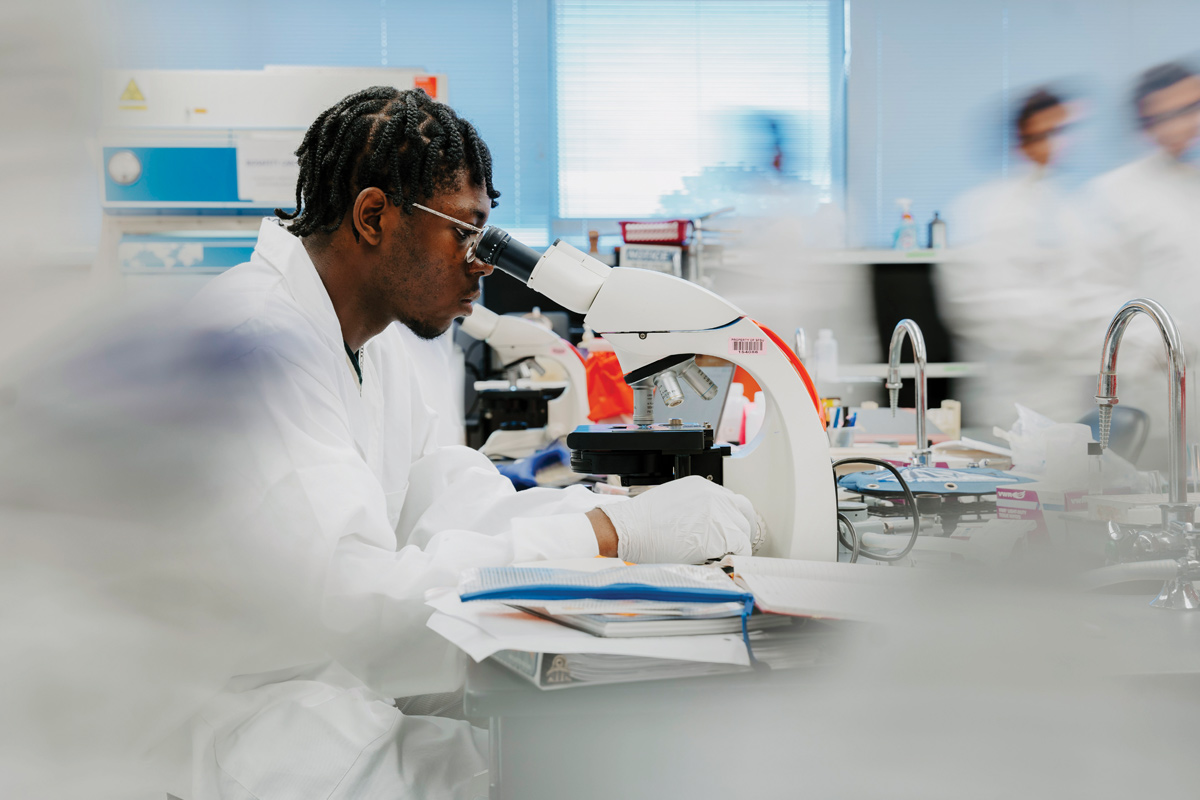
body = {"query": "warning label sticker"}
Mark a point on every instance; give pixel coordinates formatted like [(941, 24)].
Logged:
[(132, 93), (746, 345), (132, 98)]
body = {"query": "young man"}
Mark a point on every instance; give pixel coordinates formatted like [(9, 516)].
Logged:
[(1149, 238), (1025, 283), (1150, 204), (391, 184)]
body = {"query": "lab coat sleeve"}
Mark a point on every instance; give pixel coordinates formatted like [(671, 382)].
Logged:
[(1119, 248), (372, 596), (460, 488)]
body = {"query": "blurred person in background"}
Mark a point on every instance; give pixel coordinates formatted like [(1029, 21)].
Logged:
[(1148, 226), (1151, 205), (135, 578), (769, 254), (1024, 300)]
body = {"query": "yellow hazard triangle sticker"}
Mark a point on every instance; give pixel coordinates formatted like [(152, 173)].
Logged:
[(132, 92)]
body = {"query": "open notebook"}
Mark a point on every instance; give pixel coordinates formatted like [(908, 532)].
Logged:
[(821, 588)]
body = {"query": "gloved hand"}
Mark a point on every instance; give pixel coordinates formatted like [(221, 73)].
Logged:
[(686, 521)]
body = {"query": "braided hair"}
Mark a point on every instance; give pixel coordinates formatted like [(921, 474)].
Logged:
[(402, 142)]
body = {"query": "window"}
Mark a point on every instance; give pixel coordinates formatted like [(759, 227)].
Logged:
[(650, 94)]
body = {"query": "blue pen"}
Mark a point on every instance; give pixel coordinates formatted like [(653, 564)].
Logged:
[(853, 419)]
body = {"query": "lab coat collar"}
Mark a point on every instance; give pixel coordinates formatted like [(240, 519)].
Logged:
[(364, 401), (1026, 171), (287, 255), (1163, 163)]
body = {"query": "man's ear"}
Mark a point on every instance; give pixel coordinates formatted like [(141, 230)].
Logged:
[(367, 215)]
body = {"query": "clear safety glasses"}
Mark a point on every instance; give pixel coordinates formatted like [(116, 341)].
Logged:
[(1150, 120), (471, 241)]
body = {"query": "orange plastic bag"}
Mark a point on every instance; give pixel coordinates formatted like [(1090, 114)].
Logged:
[(608, 393)]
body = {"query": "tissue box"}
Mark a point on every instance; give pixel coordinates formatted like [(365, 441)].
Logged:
[(657, 257), (1040, 503)]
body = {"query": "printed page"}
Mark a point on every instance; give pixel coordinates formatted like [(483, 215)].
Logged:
[(823, 589)]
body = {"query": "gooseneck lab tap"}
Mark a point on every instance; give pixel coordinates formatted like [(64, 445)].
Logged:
[(1177, 508), (1177, 534), (921, 452)]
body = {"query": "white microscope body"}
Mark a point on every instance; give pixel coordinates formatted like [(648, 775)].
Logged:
[(515, 339), (647, 316)]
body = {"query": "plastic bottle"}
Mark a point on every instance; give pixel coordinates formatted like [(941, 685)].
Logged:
[(753, 417), (937, 233), (906, 234), (825, 354), (801, 346)]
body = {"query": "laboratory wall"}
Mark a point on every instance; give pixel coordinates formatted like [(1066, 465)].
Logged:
[(932, 85), (495, 55)]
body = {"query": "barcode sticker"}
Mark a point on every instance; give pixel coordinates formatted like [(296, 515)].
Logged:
[(746, 345)]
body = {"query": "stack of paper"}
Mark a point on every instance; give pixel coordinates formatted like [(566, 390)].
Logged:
[(649, 624), (482, 629), (484, 617), (628, 601)]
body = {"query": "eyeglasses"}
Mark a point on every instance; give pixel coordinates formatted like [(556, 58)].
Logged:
[(1041, 136), (1150, 120), (471, 241)]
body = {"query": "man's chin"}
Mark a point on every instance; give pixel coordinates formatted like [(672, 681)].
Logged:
[(427, 330)]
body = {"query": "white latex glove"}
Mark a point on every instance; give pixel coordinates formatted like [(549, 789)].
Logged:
[(687, 521)]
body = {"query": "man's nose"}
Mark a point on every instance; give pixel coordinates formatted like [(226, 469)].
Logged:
[(477, 267)]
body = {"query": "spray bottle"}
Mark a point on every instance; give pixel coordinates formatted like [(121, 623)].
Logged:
[(906, 233)]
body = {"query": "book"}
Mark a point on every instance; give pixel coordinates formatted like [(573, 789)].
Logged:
[(658, 585), (797, 643), (620, 625), (562, 670)]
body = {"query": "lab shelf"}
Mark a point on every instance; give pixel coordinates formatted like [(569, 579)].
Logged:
[(884, 257)]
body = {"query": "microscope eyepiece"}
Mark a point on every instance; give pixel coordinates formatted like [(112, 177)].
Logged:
[(498, 249)]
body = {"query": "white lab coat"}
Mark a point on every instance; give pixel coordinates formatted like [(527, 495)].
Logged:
[(1149, 238), (354, 473), (440, 372), (1149, 210), (1025, 300)]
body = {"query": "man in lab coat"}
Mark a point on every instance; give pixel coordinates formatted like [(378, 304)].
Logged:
[(1149, 214), (1021, 300), (391, 186)]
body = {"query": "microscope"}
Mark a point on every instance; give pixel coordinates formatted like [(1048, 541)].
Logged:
[(657, 324), (526, 414)]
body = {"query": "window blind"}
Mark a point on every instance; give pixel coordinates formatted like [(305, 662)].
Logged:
[(651, 92)]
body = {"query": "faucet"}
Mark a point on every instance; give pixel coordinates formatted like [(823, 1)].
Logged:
[(907, 326), (1177, 531), (1177, 509)]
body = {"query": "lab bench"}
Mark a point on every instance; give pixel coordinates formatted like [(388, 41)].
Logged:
[(754, 734), (591, 741)]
